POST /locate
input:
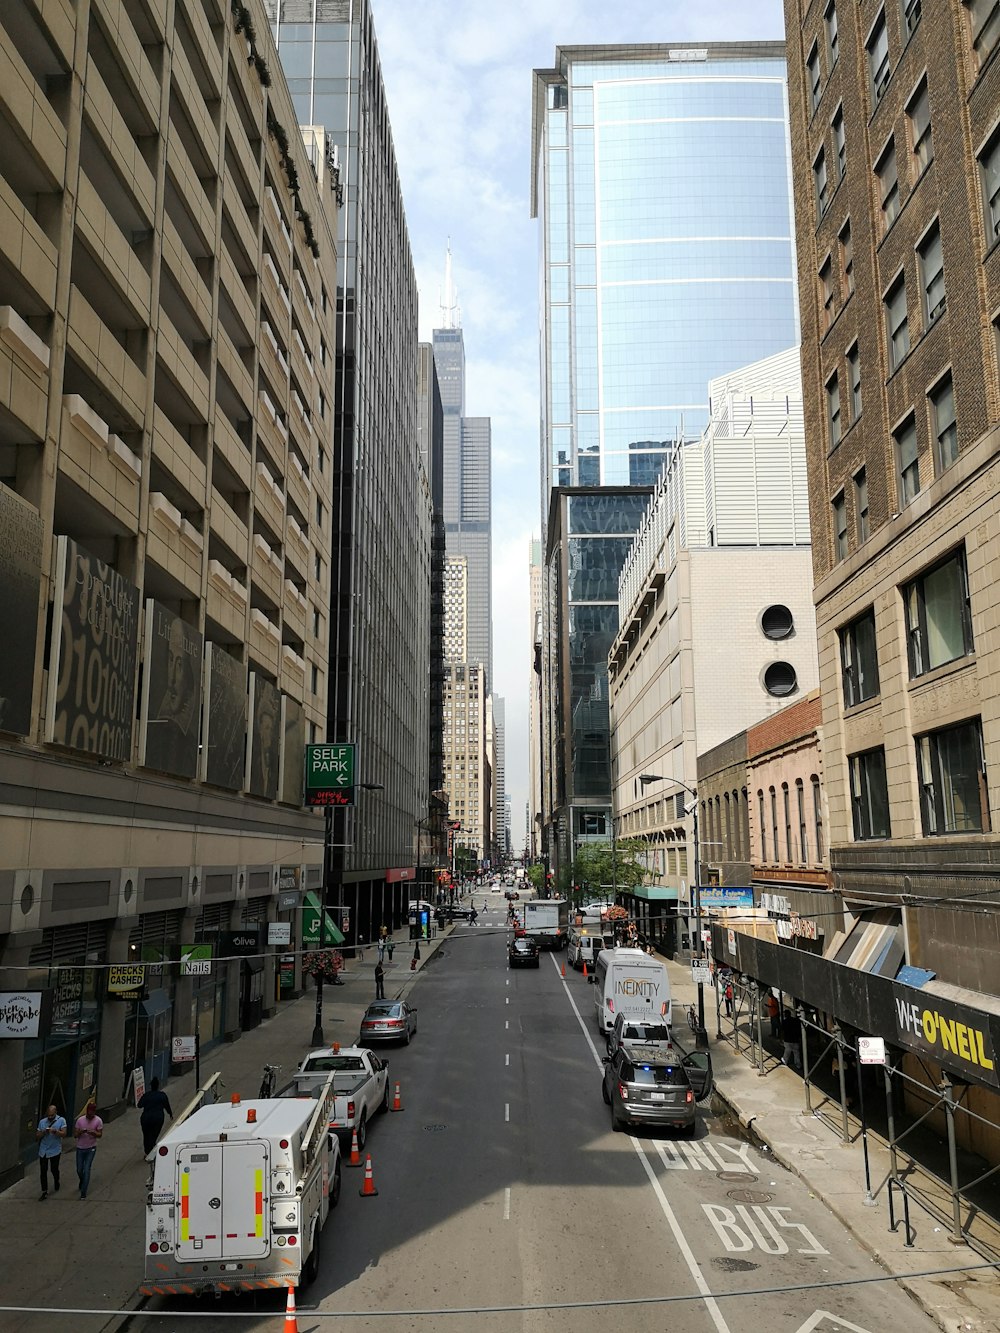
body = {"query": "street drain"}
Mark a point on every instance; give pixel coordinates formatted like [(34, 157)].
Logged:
[(749, 1196), (734, 1265), (729, 1176), (435, 1129)]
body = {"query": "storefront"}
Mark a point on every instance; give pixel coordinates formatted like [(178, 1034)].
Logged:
[(653, 908), (248, 943), (61, 1067), (208, 998), (155, 942)]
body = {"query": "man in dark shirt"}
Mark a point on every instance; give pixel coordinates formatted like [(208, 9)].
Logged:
[(791, 1035), (153, 1106)]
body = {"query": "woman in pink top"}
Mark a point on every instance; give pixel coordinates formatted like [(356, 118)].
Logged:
[(87, 1130)]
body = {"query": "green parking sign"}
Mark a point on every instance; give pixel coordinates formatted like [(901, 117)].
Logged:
[(330, 774)]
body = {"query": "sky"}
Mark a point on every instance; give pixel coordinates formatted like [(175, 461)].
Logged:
[(458, 81)]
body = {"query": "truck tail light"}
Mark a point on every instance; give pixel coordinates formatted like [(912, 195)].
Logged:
[(350, 1110), (689, 1096)]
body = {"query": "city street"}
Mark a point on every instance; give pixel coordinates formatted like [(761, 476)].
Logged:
[(504, 1195)]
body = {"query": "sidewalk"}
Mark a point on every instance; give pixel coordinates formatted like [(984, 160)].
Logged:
[(772, 1109), (72, 1254)]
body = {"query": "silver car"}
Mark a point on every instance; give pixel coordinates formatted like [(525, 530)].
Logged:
[(644, 1085)]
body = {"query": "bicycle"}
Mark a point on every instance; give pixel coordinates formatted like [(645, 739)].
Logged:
[(270, 1081)]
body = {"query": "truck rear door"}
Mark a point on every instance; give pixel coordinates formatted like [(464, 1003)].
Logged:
[(222, 1192)]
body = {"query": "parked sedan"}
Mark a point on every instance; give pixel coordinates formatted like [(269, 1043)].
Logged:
[(388, 1020), (523, 952), (644, 1085)]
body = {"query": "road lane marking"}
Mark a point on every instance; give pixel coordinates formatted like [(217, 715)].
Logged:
[(755, 1222), (705, 1156), (704, 1290), (506, 1058), (506, 1025), (506, 1112), (506, 1204)]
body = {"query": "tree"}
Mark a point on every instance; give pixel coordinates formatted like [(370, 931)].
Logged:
[(536, 874), (603, 867)]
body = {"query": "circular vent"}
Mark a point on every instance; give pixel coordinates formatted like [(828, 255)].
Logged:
[(780, 679), (776, 622)]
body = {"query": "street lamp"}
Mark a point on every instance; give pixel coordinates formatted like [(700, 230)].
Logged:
[(644, 780), (328, 846)]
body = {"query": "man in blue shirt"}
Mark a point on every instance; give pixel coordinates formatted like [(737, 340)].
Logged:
[(50, 1134)]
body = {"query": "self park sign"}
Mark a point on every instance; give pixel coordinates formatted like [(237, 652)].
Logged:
[(330, 774)]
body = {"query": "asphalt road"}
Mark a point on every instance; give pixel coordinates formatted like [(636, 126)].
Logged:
[(506, 1202)]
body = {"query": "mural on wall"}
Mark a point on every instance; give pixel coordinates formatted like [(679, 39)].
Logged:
[(293, 731), (265, 737), (225, 719), (171, 704)]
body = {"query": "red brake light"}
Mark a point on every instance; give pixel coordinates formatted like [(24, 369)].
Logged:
[(690, 1096), (282, 1143), (153, 1247), (291, 1240), (350, 1110), (623, 1091), (163, 1152)]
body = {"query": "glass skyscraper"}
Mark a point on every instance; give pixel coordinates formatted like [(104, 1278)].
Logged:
[(661, 179)]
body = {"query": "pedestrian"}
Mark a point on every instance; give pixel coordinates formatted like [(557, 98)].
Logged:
[(728, 996), (50, 1134), (88, 1129), (791, 1035), (774, 1013), (390, 944), (153, 1105), (381, 950), (379, 980)]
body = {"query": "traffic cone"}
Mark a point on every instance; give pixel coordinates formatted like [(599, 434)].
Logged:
[(368, 1190), (585, 971), (355, 1157), (291, 1322), (564, 970), (397, 1101)]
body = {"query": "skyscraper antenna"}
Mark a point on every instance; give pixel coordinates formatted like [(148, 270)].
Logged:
[(451, 313)]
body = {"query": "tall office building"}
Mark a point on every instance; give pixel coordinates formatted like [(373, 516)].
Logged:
[(167, 282), (660, 177), (896, 160), (499, 776), (536, 589), (380, 613), (467, 480)]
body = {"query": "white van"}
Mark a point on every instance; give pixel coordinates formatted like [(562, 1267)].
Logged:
[(630, 982), (585, 943)]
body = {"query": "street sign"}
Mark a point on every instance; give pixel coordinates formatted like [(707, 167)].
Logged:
[(182, 1048), (871, 1050), (701, 974), (330, 774), (138, 1083), (279, 932)]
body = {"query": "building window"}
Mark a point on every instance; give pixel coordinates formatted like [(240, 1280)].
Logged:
[(907, 462), (931, 263), (774, 825), (817, 816), (869, 795), (861, 504), (800, 796), (763, 831), (839, 507), (830, 22), (878, 59), (919, 114), (833, 409), (984, 16), (938, 616), (989, 163), (854, 378), (888, 185), (897, 326), (826, 293), (952, 779), (910, 14), (840, 143), (859, 660), (822, 188), (942, 399), (847, 259), (786, 800), (815, 77)]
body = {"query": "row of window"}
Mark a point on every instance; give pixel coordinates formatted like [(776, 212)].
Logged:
[(937, 616), (951, 777), (796, 837)]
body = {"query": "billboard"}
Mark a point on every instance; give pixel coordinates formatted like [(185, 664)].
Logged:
[(171, 690), (225, 719), (265, 737), (95, 631), (293, 740), (20, 576)]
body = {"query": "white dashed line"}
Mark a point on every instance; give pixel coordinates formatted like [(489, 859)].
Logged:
[(506, 1059), (506, 1204), (506, 1112), (506, 1025)]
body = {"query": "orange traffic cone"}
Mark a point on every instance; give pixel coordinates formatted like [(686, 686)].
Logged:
[(355, 1157), (368, 1190), (564, 969), (585, 971), (397, 1101), (291, 1322)]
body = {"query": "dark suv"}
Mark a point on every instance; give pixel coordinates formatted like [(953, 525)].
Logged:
[(523, 952), (645, 1085)]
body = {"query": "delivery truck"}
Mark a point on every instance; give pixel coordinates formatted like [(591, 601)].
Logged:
[(240, 1193), (633, 983), (546, 920)]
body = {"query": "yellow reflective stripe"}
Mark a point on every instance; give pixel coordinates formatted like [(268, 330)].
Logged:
[(185, 1224), (258, 1189)]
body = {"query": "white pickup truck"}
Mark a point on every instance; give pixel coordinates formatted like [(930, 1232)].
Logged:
[(360, 1084)]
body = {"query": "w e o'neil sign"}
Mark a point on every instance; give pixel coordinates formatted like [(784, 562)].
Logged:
[(330, 774), (956, 1037)]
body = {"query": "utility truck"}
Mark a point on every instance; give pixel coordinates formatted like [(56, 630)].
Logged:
[(240, 1193), (630, 982), (546, 920), (360, 1084)]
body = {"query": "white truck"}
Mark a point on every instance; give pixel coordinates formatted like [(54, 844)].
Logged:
[(633, 983), (546, 920), (360, 1084), (239, 1196)]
